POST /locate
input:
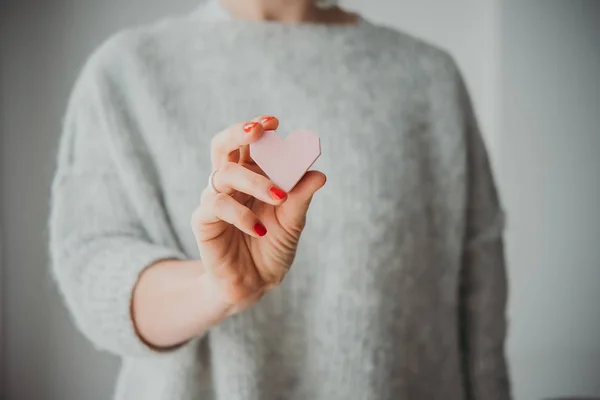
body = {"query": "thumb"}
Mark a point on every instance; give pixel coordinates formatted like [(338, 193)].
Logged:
[(292, 213)]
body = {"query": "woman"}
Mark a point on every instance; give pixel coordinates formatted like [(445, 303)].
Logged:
[(397, 289)]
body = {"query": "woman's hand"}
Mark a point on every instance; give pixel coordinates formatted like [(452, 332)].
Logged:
[(247, 235), (248, 232)]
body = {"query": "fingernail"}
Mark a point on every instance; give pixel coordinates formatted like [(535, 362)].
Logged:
[(277, 193), (260, 229), (266, 119), (249, 126)]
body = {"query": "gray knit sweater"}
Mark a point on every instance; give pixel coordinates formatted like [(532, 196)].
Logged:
[(398, 289)]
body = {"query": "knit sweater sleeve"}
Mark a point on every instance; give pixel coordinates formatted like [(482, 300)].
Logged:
[(483, 278), (98, 242)]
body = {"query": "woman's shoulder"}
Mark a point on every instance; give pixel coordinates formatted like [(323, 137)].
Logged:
[(417, 52), (132, 49)]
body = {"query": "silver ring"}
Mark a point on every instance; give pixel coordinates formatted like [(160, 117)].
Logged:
[(211, 183)]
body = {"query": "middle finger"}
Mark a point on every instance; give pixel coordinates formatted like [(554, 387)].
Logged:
[(233, 177)]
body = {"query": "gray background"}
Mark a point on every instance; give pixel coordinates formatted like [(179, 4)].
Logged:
[(533, 68), (550, 174)]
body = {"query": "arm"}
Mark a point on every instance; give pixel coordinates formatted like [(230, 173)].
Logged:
[(175, 301), (114, 255), (484, 282), (101, 250), (98, 253)]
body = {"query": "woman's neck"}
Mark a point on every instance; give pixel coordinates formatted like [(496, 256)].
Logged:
[(287, 11)]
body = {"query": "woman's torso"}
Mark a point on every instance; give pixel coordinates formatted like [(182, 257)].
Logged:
[(369, 309)]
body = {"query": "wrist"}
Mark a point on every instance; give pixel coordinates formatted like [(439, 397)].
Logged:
[(212, 299)]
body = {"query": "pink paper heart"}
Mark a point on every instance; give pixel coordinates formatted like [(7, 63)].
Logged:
[(286, 161)]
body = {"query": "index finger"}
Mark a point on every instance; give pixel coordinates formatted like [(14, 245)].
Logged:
[(269, 123), (231, 139)]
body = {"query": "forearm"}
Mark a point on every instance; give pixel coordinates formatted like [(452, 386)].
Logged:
[(175, 301)]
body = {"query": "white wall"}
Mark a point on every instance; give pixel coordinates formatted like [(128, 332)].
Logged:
[(550, 78)]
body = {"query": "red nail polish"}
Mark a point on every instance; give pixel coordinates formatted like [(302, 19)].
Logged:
[(260, 229), (249, 126), (277, 193), (266, 119)]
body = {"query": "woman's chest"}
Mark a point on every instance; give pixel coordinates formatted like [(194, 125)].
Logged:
[(389, 181)]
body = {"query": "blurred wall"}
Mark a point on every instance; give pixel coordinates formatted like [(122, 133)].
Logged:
[(537, 155), (550, 141)]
